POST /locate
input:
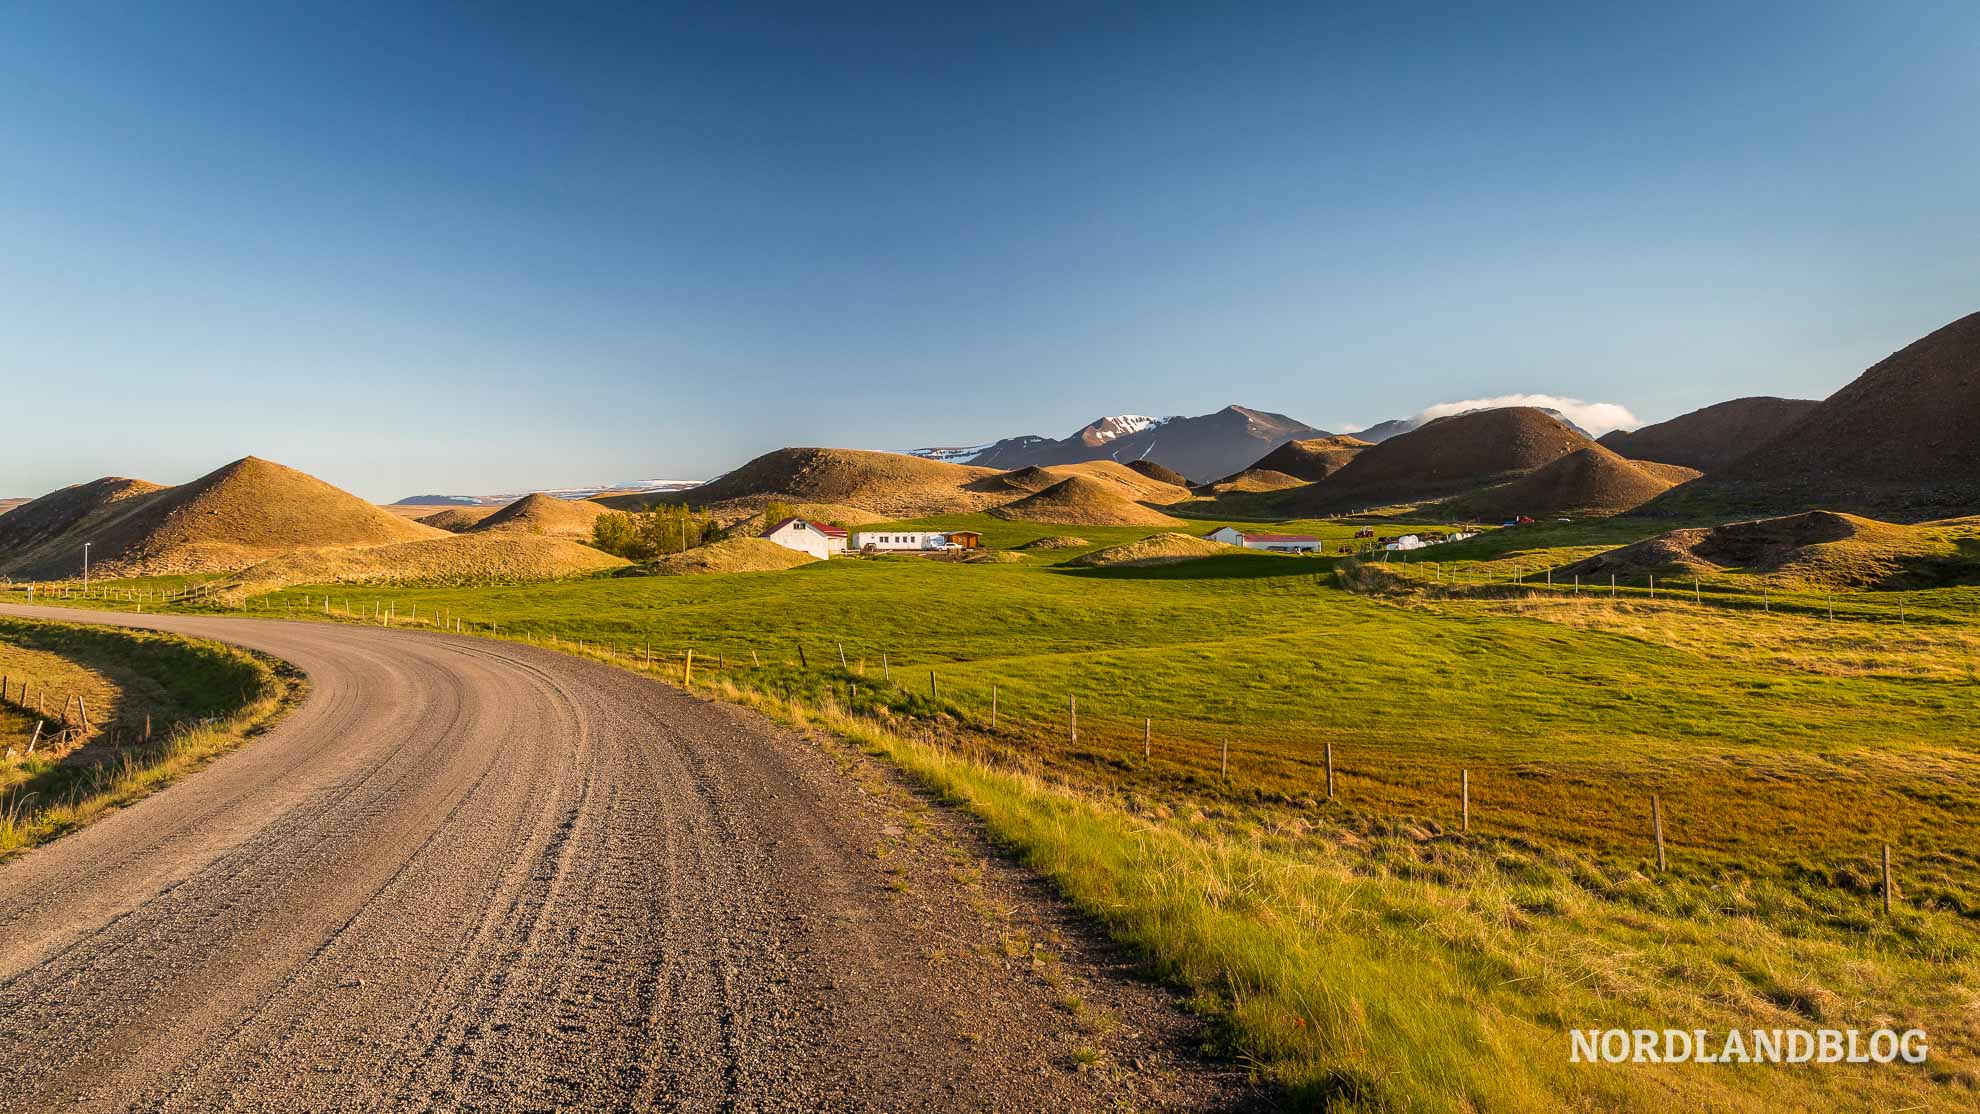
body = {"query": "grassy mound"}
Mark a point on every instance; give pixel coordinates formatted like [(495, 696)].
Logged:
[(1252, 480), (456, 520), (1820, 548), (733, 555), (1709, 439), (37, 533), (1055, 541), (501, 558), (544, 514), (1083, 501), (1589, 481), (229, 519), (1157, 549), (1446, 457), (1312, 460), (1161, 474), (993, 557), (886, 484), (1133, 484)]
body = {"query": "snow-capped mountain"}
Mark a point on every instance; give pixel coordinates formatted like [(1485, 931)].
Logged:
[(1119, 426), (1202, 448)]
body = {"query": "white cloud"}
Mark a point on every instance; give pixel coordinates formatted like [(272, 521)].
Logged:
[(1348, 427), (1595, 417)]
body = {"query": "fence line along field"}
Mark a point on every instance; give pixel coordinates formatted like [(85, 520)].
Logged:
[(1601, 766)]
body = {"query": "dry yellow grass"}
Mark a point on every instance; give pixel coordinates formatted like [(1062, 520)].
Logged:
[(1817, 548), (1158, 549), (1132, 484), (38, 687), (733, 555), (447, 560)]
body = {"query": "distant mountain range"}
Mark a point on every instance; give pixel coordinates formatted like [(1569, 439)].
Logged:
[(636, 487), (1202, 448)]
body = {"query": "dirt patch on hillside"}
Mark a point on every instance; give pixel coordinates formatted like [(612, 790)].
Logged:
[(1055, 541)]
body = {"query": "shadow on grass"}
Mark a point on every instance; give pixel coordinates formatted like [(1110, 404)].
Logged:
[(1232, 566)]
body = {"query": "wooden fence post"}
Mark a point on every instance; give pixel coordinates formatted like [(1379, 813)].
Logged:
[(1330, 771), (1147, 737), (993, 707), (687, 668), (886, 674), (1464, 797), (802, 663), (1887, 879), (842, 658), (934, 689), (1072, 718), (1657, 826), (1226, 770)]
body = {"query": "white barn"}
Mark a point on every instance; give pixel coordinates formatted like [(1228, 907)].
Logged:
[(899, 541), (1274, 543), (805, 536)]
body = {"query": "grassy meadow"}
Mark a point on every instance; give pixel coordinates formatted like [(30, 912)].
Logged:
[(1368, 951), (197, 699)]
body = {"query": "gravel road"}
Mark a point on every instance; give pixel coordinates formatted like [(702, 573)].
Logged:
[(467, 874)]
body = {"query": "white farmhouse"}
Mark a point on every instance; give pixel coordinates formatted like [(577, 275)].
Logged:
[(899, 541), (1275, 543), (805, 536)]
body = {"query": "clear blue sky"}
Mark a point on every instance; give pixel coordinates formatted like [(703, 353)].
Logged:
[(479, 247)]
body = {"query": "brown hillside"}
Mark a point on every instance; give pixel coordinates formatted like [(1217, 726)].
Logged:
[(1815, 547), (1083, 501), (9, 504), (882, 483), (1160, 473), (43, 537), (1157, 549), (456, 520), (1588, 481), (228, 519), (1445, 457), (1252, 479), (1312, 460), (1132, 483), (1676, 473), (450, 559), (1901, 442), (544, 514), (1711, 438)]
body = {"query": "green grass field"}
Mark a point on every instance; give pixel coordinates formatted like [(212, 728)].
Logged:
[(1367, 951)]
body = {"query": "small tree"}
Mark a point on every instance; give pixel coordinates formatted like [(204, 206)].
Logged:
[(775, 511)]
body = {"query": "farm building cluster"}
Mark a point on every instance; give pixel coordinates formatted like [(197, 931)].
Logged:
[(823, 540)]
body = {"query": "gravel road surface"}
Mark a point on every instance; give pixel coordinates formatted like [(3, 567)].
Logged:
[(468, 874)]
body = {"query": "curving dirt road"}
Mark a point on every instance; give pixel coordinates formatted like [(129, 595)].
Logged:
[(473, 875)]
